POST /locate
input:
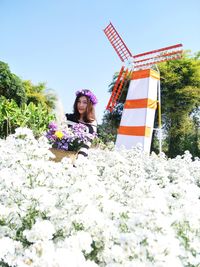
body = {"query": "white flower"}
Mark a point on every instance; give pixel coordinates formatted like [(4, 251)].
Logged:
[(41, 230), (118, 208), (81, 241), (6, 246)]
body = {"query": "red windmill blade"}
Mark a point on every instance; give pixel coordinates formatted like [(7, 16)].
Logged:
[(117, 42), (147, 59), (124, 55), (117, 89)]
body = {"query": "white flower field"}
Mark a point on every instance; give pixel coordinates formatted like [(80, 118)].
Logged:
[(114, 209)]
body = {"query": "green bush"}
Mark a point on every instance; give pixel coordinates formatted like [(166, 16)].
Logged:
[(35, 117)]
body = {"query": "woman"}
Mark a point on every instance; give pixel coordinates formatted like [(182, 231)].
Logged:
[(84, 113)]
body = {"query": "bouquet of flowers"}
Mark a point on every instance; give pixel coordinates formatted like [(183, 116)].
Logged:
[(68, 138)]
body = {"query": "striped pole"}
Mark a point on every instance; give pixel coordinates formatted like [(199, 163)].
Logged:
[(137, 120)]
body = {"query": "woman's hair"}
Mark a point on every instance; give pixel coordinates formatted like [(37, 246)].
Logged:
[(89, 115)]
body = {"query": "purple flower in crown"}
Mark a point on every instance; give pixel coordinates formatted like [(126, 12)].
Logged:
[(89, 94)]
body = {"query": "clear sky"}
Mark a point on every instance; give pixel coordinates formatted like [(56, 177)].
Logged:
[(62, 42)]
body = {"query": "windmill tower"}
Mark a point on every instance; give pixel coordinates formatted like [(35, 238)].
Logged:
[(143, 97)]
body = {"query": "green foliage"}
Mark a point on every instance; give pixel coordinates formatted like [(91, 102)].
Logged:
[(104, 139), (27, 222), (96, 248), (34, 117), (180, 93), (11, 86), (105, 135), (39, 94), (3, 264), (9, 116), (37, 118), (107, 132), (23, 104)]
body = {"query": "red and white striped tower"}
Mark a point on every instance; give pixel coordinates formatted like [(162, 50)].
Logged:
[(139, 110), (143, 95)]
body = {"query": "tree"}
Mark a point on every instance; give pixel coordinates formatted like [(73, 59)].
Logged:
[(11, 85), (39, 94), (180, 94), (107, 132), (23, 104)]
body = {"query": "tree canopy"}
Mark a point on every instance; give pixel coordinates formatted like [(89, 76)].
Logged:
[(11, 86), (39, 94), (180, 94), (23, 104)]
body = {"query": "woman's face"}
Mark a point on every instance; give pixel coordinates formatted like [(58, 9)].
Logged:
[(82, 105)]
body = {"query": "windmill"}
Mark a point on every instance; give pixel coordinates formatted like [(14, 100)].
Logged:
[(143, 95)]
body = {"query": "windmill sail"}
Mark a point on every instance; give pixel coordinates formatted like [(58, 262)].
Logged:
[(117, 43)]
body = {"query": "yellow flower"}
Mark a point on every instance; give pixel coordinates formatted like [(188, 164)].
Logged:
[(28, 261), (59, 134)]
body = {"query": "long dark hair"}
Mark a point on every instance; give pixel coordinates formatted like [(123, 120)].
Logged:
[(89, 115)]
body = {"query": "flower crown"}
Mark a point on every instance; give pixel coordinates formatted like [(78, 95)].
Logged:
[(89, 94)]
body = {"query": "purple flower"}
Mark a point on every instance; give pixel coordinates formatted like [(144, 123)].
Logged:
[(53, 126)]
